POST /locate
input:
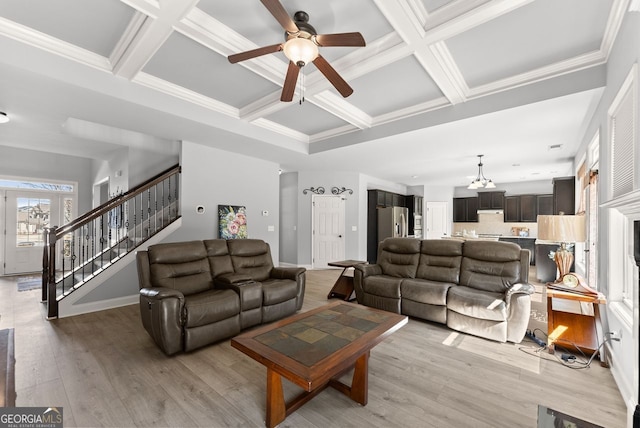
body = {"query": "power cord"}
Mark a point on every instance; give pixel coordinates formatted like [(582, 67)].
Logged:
[(566, 358)]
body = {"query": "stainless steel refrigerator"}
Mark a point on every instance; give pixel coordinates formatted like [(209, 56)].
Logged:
[(392, 222)]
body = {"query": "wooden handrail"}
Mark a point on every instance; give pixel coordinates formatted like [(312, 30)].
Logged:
[(115, 202)]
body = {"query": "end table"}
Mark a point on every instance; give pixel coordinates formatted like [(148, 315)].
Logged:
[(580, 330), (343, 288)]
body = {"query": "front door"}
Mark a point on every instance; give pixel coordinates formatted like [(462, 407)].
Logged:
[(328, 230), (26, 215)]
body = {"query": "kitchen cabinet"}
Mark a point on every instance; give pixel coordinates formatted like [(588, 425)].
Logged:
[(524, 243), (398, 200), (465, 210), (544, 204), (528, 208), (511, 209), (564, 195), (490, 200)]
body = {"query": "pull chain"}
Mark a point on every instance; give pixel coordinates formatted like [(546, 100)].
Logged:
[(301, 85)]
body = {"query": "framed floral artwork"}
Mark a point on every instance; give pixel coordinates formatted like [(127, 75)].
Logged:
[(232, 222)]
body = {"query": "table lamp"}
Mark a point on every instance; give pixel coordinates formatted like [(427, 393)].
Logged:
[(564, 229)]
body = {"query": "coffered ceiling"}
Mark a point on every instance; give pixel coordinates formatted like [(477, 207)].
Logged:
[(438, 82)]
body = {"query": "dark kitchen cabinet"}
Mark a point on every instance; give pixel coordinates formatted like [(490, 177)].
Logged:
[(528, 208), (524, 243), (399, 200), (490, 200), (564, 195), (511, 209), (544, 204), (465, 210)]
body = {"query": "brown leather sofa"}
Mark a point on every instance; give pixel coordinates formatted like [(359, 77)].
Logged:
[(196, 293), (476, 287)]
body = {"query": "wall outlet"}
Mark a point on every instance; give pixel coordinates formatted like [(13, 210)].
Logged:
[(271, 228), (354, 228), (615, 335)]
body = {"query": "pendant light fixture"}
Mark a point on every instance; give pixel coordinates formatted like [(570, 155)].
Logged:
[(481, 181)]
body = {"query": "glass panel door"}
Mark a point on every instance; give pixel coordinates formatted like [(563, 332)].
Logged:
[(27, 214)]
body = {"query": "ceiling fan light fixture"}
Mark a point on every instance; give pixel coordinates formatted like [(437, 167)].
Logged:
[(300, 51)]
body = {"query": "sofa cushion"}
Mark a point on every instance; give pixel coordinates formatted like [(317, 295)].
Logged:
[(278, 290), (425, 291), (210, 306), (182, 266), (218, 255), (477, 303), (440, 260), (382, 285), (398, 257), (251, 257), (490, 266)]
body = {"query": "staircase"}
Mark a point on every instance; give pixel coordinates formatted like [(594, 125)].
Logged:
[(87, 249)]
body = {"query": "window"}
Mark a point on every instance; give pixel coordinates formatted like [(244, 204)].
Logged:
[(623, 208)]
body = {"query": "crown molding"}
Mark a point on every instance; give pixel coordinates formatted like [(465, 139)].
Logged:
[(440, 65), (148, 7), (618, 10), (151, 35), (39, 40), (182, 93), (283, 130), (338, 106), (571, 65), (425, 107), (332, 133)]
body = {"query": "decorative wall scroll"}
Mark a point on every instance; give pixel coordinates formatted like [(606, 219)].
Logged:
[(340, 190), (317, 191)]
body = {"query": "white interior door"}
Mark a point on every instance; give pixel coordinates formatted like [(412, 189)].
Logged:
[(328, 230), (437, 220), (27, 213)]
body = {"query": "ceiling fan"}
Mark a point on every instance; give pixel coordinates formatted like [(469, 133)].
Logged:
[(301, 47)]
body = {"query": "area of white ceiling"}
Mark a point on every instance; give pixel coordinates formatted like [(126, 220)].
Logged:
[(438, 82)]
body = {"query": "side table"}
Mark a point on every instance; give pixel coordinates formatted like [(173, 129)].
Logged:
[(570, 328), (343, 288)]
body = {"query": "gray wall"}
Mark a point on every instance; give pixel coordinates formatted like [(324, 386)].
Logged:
[(212, 177), (289, 218), (30, 163)]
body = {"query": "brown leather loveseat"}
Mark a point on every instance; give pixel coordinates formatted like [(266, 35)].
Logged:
[(476, 287), (196, 293)]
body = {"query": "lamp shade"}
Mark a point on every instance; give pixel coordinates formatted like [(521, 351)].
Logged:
[(300, 50), (562, 228)]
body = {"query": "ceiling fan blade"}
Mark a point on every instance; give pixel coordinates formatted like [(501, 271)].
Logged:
[(332, 76), (340, 39), (290, 81), (254, 53), (280, 14)]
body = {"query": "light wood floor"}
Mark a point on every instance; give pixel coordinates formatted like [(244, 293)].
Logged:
[(104, 370)]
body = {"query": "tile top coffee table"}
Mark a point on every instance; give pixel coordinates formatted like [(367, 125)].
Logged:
[(313, 349)]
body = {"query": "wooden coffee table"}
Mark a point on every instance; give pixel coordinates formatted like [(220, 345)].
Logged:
[(313, 349)]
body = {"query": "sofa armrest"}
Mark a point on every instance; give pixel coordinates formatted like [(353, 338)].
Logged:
[(518, 299), (232, 278), (519, 288), (161, 313), (160, 293), (368, 270), (287, 272)]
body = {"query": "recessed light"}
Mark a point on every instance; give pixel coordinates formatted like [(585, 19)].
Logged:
[(516, 164), (414, 176), (555, 146), (3, 117)]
